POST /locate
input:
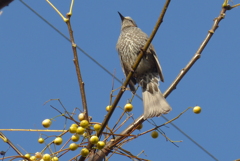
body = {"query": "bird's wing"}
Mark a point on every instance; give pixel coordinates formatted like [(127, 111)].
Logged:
[(159, 68), (151, 50)]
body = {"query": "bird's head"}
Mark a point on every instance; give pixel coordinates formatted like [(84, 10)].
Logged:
[(127, 21)]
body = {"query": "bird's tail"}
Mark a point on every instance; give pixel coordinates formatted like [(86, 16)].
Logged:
[(153, 101)]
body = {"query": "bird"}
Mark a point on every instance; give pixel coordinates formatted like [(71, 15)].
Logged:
[(148, 73)]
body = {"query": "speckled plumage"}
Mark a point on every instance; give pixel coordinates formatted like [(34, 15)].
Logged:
[(148, 72)]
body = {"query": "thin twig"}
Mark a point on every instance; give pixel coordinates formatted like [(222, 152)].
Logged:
[(155, 128), (78, 71), (118, 120), (129, 155), (197, 54), (123, 122), (5, 139), (53, 141)]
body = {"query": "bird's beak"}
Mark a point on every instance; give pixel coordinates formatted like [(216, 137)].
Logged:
[(122, 17)]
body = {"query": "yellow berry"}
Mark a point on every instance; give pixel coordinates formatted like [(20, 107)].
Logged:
[(74, 125), (84, 152), (33, 158), (41, 140), (38, 155), (55, 159), (46, 157), (154, 134), (139, 127), (128, 107), (85, 134), (75, 137), (108, 108), (94, 140), (81, 117), (73, 146), (197, 109), (27, 156), (58, 141), (72, 129), (80, 130), (100, 144), (97, 127), (84, 123), (46, 123)]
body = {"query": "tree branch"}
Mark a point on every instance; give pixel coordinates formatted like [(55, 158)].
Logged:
[(77, 67)]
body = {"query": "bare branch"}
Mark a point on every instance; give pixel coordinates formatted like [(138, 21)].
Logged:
[(5, 139), (78, 71)]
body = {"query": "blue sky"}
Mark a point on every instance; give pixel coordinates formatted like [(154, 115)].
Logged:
[(36, 65)]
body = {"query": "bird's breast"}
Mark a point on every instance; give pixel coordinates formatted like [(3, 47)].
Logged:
[(129, 52)]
